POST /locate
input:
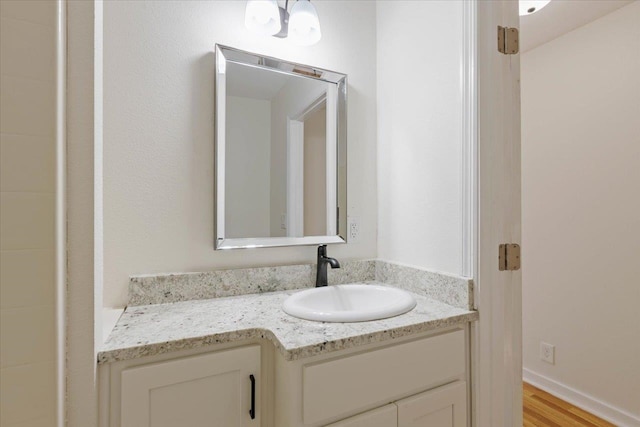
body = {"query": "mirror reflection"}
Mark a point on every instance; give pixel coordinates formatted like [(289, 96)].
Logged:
[(284, 175), (263, 108)]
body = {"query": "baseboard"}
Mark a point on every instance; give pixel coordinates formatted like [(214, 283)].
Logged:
[(584, 401)]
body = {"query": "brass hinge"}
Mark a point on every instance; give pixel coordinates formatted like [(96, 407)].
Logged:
[(509, 257), (508, 40)]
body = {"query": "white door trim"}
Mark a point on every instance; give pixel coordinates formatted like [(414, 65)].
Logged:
[(61, 211), (295, 177), (295, 165), (331, 144), (84, 299), (469, 149), (496, 340)]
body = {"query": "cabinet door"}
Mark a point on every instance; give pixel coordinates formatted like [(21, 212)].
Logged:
[(380, 376), (211, 390), (387, 416), (444, 406)]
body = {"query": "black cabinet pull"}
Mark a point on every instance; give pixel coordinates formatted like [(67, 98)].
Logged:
[(252, 411)]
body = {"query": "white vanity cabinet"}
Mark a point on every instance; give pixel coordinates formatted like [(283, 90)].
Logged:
[(445, 406), (415, 381), (423, 379), (209, 390), (387, 416)]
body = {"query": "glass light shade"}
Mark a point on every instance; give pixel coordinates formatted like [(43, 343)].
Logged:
[(527, 7), (262, 17), (304, 26)]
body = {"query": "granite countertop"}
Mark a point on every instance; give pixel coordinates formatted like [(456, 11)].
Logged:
[(162, 328)]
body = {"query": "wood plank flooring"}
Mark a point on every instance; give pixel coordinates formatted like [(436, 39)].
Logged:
[(542, 409)]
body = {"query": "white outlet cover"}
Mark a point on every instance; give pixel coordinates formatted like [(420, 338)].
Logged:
[(548, 352), (353, 229)]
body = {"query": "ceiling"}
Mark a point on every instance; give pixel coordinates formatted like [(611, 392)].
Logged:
[(252, 82), (560, 17)]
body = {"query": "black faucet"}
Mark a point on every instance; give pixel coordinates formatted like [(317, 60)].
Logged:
[(323, 260)]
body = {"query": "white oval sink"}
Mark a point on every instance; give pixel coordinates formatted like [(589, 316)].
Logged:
[(349, 303)]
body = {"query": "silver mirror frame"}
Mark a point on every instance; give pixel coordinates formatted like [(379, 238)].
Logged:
[(224, 54)]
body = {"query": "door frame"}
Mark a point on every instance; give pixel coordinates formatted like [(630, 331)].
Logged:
[(496, 381), (295, 165), (61, 212), (496, 339)]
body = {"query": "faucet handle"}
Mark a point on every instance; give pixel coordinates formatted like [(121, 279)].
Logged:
[(322, 251)]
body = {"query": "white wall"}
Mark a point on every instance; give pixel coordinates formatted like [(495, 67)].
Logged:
[(248, 161), (158, 131), (27, 205), (581, 208), (420, 133)]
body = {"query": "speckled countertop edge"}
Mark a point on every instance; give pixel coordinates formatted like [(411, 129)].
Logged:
[(164, 328)]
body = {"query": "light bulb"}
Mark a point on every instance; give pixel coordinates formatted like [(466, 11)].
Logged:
[(304, 25), (303, 29), (262, 17), (527, 7)]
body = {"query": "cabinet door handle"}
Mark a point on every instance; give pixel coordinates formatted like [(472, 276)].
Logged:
[(252, 410)]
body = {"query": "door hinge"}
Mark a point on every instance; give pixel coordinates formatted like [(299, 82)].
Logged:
[(509, 257), (508, 40)]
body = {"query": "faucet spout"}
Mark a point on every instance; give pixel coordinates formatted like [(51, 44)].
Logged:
[(333, 262), (323, 261)]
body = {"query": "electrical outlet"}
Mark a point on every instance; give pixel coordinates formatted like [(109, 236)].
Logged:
[(354, 230), (548, 352)]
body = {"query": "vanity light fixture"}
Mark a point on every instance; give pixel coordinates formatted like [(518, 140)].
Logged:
[(301, 26), (304, 25), (528, 7), (263, 17)]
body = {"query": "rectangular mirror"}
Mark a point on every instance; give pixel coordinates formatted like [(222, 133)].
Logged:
[(281, 152)]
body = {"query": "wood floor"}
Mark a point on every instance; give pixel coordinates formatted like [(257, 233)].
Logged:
[(544, 410)]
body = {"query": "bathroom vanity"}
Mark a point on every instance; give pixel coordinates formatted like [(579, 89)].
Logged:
[(420, 381), (413, 382), (242, 361)]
